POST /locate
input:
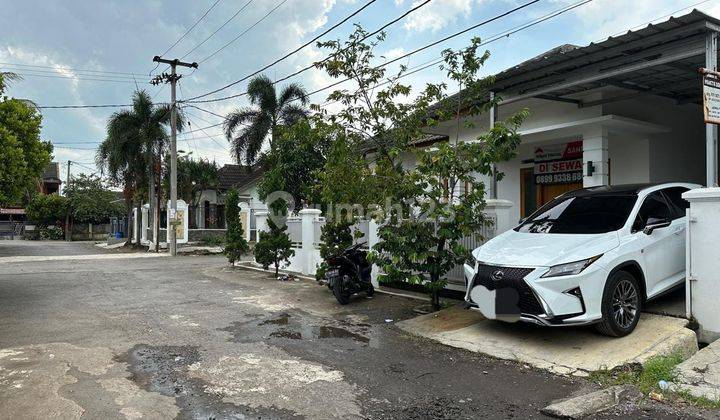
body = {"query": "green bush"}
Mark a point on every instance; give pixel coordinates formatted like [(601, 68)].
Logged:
[(235, 244), (274, 247), (46, 210), (52, 233)]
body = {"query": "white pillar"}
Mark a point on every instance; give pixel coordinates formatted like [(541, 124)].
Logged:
[(595, 150), (500, 209), (181, 232), (135, 225), (702, 260), (145, 223), (261, 225), (308, 217), (372, 240), (245, 219), (711, 130)]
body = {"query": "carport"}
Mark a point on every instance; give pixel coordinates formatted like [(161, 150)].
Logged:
[(661, 59)]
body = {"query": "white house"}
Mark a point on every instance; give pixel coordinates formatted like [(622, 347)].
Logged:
[(210, 213), (625, 110)]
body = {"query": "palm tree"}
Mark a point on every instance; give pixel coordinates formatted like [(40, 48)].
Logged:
[(247, 128), (135, 137), (7, 76)]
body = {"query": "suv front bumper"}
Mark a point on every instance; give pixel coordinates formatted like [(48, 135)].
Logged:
[(551, 301)]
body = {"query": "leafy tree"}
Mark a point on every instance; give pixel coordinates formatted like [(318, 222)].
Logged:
[(335, 237), (235, 244), (247, 128), (444, 189), (90, 201), (23, 155), (274, 247), (46, 210), (135, 137), (380, 115), (295, 159)]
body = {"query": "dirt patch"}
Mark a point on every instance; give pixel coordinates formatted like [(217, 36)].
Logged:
[(164, 369)]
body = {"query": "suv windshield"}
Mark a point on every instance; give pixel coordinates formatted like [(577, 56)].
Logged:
[(589, 214)]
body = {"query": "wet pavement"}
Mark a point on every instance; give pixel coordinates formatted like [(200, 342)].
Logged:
[(190, 337)]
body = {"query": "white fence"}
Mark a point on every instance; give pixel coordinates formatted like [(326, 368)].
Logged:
[(305, 230)]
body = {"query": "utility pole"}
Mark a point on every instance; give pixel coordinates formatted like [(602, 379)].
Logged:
[(172, 78), (67, 212)]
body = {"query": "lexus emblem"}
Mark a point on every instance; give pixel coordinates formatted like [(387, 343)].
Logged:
[(498, 275)]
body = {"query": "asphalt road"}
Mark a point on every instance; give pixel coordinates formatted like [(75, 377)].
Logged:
[(190, 337)]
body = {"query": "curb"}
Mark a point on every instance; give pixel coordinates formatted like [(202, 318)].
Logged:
[(592, 403), (249, 266)]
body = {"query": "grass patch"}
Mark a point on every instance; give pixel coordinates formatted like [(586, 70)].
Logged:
[(646, 378)]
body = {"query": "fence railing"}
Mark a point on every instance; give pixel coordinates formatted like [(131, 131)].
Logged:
[(307, 243)]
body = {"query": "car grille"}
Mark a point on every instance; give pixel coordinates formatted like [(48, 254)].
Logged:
[(512, 278)]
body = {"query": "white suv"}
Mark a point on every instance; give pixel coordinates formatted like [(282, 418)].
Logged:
[(590, 256)]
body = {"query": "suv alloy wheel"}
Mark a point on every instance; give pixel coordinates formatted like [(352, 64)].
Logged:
[(621, 305)]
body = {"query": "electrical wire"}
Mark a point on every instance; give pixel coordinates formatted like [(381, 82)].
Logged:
[(218, 29), (306, 68), (491, 39), (191, 28), (84, 79), (243, 32), (56, 68)]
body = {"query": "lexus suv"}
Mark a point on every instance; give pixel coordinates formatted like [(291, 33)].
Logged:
[(590, 256)]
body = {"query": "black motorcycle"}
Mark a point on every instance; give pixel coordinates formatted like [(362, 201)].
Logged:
[(348, 272)]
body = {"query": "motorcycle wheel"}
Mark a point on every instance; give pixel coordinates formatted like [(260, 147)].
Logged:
[(342, 296), (370, 290)]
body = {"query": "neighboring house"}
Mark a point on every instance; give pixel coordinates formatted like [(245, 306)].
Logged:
[(211, 209), (624, 110), (50, 182)]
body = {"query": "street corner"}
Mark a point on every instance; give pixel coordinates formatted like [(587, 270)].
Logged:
[(63, 375), (566, 351)]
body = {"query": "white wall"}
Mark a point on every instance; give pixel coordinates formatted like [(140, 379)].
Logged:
[(678, 155)]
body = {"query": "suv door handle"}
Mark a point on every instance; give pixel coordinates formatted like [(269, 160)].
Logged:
[(678, 231)]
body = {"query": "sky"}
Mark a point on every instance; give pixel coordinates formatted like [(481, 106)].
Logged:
[(85, 52)]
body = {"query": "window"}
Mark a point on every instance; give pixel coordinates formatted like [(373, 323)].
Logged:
[(674, 196), (655, 207), (580, 215)]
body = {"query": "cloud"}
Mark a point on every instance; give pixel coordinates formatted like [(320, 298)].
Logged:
[(436, 15), (603, 18)]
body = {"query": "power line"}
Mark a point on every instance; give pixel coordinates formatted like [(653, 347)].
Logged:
[(87, 79), (191, 28), (218, 29), (56, 68), (306, 68), (493, 38), (484, 22), (243, 32)]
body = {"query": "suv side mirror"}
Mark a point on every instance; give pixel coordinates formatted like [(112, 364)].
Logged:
[(655, 223)]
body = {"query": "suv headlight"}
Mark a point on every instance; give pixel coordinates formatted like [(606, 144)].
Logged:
[(570, 269)]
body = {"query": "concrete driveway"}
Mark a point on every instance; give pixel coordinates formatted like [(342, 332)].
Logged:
[(189, 337)]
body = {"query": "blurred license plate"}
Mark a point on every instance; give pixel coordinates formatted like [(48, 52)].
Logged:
[(332, 272)]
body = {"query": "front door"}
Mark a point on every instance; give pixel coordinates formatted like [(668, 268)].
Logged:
[(547, 192), (535, 195)]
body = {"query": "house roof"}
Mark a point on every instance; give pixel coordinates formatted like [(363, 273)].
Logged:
[(52, 172), (660, 59), (426, 139), (238, 176)]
